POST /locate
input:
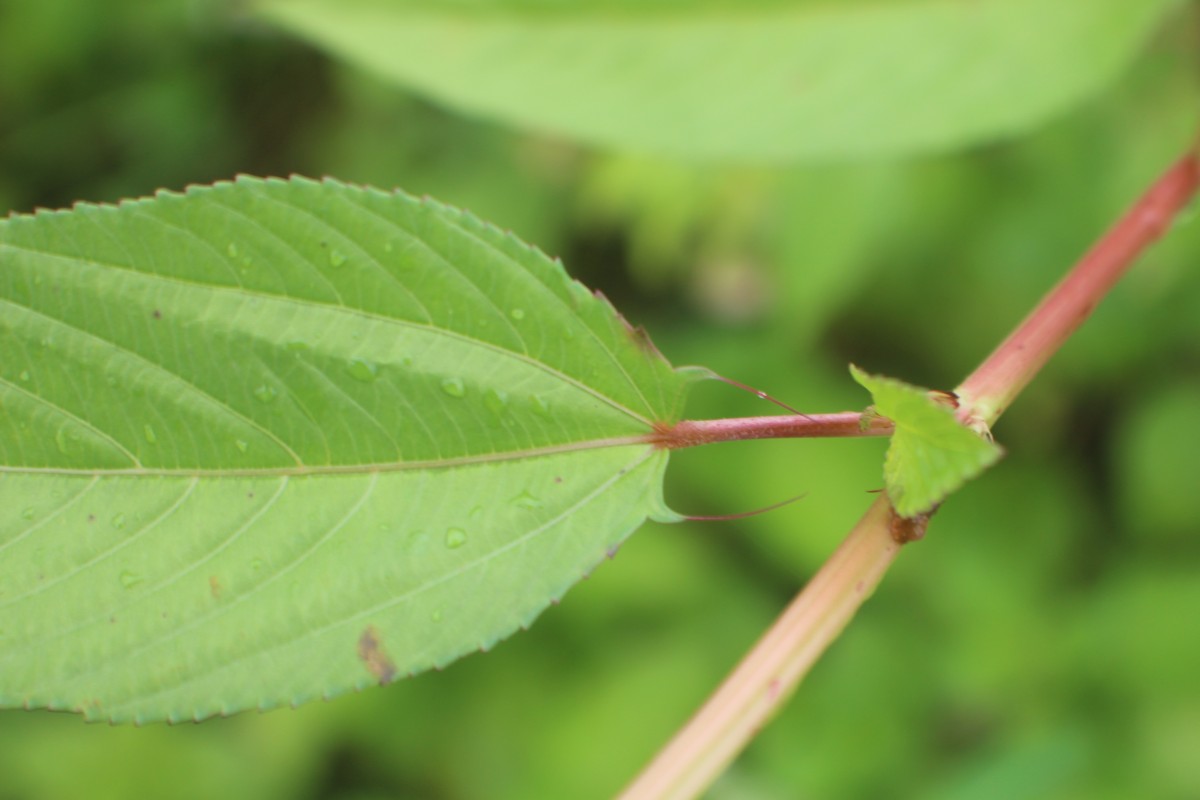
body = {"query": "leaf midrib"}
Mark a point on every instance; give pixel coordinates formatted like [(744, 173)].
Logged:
[(340, 469)]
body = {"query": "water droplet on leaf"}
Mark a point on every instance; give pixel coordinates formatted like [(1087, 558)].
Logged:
[(517, 313), (455, 538), (151, 436), (130, 579), (364, 371), (232, 250), (265, 393), (118, 521), (28, 513), (418, 541), (496, 401), (336, 258), (454, 387), (526, 500), (540, 406), (241, 445), (24, 375)]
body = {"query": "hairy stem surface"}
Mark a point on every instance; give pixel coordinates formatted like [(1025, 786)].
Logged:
[(691, 433), (771, 671), (1000, 378)]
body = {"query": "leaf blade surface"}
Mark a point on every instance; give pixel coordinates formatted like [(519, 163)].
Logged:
[(272, 440)]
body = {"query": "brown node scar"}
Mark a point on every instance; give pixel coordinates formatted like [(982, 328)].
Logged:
[(909, 529)]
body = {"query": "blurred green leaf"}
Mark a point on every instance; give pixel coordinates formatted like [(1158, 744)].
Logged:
[(931, 454), (272, 440), (763, 80), (1157, 463)]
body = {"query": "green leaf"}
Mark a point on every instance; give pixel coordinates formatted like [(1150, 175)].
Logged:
[(931, 453), (763, 79), (268, 441)]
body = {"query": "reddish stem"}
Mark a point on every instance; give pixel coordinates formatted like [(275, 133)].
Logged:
[(691, 433), (1000, 378)]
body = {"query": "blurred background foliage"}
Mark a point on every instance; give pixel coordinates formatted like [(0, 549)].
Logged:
[(1041, 642)]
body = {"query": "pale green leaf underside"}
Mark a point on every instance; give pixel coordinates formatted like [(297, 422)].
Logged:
[(271, 440), (930, 454), (761, 80)]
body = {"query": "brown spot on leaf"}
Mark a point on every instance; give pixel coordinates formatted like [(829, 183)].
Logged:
[(372, 654), (214, 587)]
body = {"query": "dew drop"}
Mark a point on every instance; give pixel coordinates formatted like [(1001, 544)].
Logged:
[(241, 445), (60, 439), (232, 250), (517, 314), (455, 538), (28, 513), (418, 542), (130, 579), (336, 258), (388, 247), (118, 521), (526, 500), (540, 406), (496, 401), (24, 375), (256, 564), (151, 436), (265, 393), (364, 371), (436, 616), (454, 387)]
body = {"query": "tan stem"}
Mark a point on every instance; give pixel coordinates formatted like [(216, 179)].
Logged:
[(771, 671)]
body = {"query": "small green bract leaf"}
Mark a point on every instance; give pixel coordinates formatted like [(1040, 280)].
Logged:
[(931, 453), (269, 441)]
